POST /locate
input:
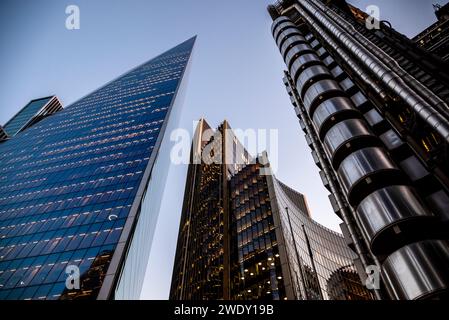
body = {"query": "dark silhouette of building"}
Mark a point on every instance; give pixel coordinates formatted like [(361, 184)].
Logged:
[(244, 235), (435, 38), (374, 109)]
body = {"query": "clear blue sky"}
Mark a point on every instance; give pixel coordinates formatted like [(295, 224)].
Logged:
[(236, 74)]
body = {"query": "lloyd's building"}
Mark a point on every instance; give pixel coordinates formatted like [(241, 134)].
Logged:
[(80, 187), (374, 108)]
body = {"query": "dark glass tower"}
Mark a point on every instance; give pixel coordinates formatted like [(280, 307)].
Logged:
[(202, 263), (247, 236), (374, 108), (81, 188)]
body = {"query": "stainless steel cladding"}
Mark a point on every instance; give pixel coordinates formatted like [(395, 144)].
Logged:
[(392, 217), (391, 63), (282, 26), (302, 62), (296, 51), (290, 42), (311, 75), (318, 91), (381, 71), (277, 22), (284, 34), (331, 111), (418, 270), (365, 171), (346, 137)]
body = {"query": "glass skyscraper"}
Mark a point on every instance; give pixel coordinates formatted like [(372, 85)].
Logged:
[(374, 108), (247, 236), (80, 190), (32, 113)]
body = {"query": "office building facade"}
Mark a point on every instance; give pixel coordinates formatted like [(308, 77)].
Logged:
[(80, 190), (374, 110), (202, 263), (244, 235)]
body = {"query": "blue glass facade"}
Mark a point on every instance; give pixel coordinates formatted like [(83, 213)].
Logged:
[(71, 185), (13, 126)]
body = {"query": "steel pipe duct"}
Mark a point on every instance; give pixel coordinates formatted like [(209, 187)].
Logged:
[(331, 111), (393, 217), (302, 63), (418, 271), (277, 22), (366, 171), (296, 51), (288, 43), (285, 34), (282, 27), (318, 91), (421, 89), (309, 76), (346, 137), (387, 76)]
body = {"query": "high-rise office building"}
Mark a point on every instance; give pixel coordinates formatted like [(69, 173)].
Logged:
[(435, 38), (80, 190), (244, 235), (32, 113), (374, 109), (202, 263)]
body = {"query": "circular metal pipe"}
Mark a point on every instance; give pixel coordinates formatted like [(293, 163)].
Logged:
[(389, 77)]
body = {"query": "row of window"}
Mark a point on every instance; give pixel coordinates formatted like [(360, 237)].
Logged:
[(59, 220), (65, 240), (96, 186)]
